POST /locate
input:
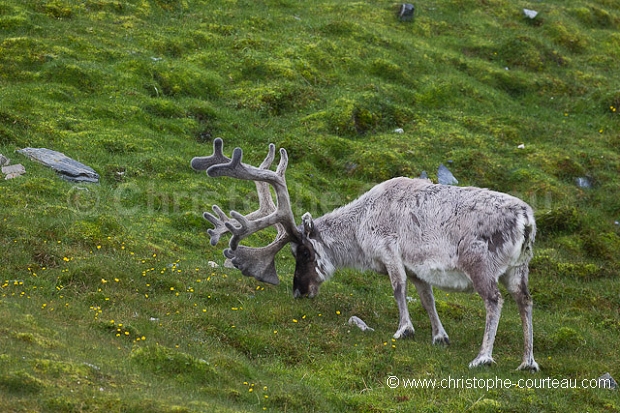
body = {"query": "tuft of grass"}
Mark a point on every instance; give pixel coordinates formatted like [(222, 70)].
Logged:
[(21, 383)]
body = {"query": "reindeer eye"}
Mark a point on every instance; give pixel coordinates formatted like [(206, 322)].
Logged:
[(305, 253)]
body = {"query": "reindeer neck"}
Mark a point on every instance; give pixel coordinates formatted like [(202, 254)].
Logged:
[(337, 231)]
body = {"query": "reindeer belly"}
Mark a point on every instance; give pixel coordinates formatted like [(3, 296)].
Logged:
[(437, 275)]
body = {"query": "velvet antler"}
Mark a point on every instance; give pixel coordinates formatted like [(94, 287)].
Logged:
[(252, 262)]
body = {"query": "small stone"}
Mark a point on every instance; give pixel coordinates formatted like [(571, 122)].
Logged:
[(607, 382), (399, 130), (213, 264), (583, 182), (445, 177), (522, 146), (4, 161), (530, 13), (406, 12), (356, 321), (13, 171)]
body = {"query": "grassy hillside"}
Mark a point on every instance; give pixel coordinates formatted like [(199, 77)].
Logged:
[(107, 299)]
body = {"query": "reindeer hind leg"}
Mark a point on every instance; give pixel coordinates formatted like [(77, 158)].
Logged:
[(485, 284), (516, 280)]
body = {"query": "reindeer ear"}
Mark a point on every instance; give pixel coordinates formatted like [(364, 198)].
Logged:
[(307, 224)]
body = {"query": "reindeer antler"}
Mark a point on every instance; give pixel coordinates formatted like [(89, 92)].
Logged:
[(266, 205), (253, 262)]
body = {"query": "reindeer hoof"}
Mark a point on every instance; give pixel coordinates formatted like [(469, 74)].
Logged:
[(403, 332), (481, 361), (441, 340), (530, 365)]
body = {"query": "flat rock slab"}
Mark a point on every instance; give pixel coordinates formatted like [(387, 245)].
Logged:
[(68, 169)]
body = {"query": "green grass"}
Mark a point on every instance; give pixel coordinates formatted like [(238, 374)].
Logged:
[(107, 300)]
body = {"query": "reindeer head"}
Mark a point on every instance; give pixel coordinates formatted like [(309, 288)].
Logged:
[(309, 273), (259, 262)]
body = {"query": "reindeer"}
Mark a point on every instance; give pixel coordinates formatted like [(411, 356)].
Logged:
[(453, 238)]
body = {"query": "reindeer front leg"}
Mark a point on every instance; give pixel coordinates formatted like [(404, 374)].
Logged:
[(398, 278), (425, 291)]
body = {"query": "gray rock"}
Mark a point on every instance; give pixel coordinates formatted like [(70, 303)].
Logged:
[(607, 382), (445, 177), (406, 12), (356, 321), (583, 182), (13, 171), (4, 160), (68, 169)]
